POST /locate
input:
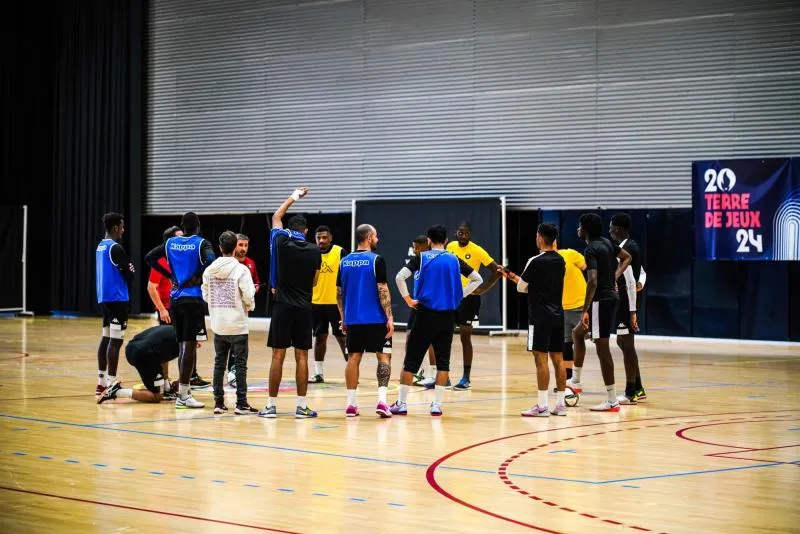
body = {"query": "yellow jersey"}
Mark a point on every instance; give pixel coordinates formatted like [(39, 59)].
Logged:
[(473, 255), (574, 282), (325, 290)]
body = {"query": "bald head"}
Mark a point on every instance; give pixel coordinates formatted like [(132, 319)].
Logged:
[(367, 237)]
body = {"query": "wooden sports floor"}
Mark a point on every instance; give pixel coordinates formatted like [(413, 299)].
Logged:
[(716, 448)]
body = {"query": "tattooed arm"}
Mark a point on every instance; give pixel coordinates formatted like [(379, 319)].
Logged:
[(340, 304), (384, 295)]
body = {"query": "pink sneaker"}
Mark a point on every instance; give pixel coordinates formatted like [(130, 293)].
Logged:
[(383, 410), (535, 412), (560, 409), (351, 411)]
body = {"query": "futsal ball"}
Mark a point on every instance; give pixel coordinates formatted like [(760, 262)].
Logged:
[(571, 398)]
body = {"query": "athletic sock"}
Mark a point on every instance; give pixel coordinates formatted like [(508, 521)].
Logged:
[(111, 379), (351, 397), (612, 393), (576, 374), (184, 391), (542, 399), (382, 390), (438, 392), (101, 378), (125, 393), (318, 367), (402, 396), (301, 402), (467, 370), (272, 401), (560, 395), (569, 372)]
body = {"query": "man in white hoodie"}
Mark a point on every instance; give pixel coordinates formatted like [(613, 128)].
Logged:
[(230, 293)]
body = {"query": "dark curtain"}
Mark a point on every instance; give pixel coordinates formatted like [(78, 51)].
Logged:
[(96, 127)]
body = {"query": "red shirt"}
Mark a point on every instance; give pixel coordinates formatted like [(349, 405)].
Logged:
[(164, 283), (250, 264)]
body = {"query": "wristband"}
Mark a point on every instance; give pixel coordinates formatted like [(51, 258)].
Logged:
[(296, 195)]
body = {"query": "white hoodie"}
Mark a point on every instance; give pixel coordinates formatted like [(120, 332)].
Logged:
[(228, 288)]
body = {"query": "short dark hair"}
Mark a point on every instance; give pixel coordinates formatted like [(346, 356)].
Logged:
[(437, 234), (622, 220), (363, 231), (242, 237), (592, 223), (465, 224), (227, 242), (323, 228), (548, 232), (421, 240), (110, 220), (190, 222), (298, 223), (170, 232)]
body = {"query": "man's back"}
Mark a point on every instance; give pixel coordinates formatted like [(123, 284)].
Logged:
[(298, 262), (544, 274), (601, 254)]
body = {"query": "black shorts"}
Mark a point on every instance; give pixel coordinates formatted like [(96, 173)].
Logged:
[(430, 328), (291, 326), (368, 338), (623, 322), (602, 315), (149, 369), (412, 316), (468, 310), (115, 316), (325, 315), (189, 319), (546, 336)]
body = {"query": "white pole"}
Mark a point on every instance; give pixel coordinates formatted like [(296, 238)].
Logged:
[(353, 225), (25, 259), (505, 260)]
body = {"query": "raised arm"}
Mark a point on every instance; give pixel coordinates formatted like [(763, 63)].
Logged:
[(277, 217)]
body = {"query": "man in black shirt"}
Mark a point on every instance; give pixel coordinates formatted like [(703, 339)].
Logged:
[(543, 281), (601, 298), (627, 321), (149, 352), (294, 270)]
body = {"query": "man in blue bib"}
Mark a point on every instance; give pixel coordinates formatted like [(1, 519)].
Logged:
[(188, 256), (438, 294), (114, 273), (362, 294)]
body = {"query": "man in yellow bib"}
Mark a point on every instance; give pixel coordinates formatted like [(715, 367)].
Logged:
[(473, 255), (572, 301), (323, 302)]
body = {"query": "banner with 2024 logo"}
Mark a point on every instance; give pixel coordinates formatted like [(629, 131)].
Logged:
[(747, 209)]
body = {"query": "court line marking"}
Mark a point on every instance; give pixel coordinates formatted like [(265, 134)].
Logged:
[(148, 510)]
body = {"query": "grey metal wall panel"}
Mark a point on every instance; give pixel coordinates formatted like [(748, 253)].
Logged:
[(553, 103)]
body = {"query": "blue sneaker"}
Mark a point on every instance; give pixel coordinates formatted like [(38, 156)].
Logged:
[(304, 413), (399, 408), (462, 385), (270, 412)]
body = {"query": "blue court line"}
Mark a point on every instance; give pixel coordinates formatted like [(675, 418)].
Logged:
[(187, 477), (252, 485), (127, 469), (218, 481), (157, 473), (396, 504), (358, 499), (629, 486), (320, 494), (690, 473), (100, 465), (286, 490), (72, 461), (45, 457)]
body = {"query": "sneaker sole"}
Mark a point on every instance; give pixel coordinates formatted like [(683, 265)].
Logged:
[(298, 416), (558, 414), (614, 409), (189, 407), (534, 415), (436, 415), (218, 412), (269, 416), (456, 388), (384, 415), (352, 414), (399, 413), (240, 412)]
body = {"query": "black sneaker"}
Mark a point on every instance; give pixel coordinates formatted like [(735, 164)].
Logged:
[(110, 393), (245, 409), (198, 382), (317, 379), (219, 406)]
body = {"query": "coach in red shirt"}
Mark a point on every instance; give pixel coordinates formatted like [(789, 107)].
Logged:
[(242, 246)]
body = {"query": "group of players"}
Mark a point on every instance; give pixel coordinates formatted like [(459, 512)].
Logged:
[(317, 286)]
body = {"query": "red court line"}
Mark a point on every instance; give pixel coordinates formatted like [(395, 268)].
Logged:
[(681, 433), (430, 473), (137, 509)]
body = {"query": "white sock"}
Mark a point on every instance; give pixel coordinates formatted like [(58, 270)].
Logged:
[(351, 397), (272, 401), (438, 392), (612, 393), (125, 393), (382, 393), (402, 396), (318, 367), (111, 379), (431, 372), (101, 378), (301, 402), (561, 398), (576, 374), (184, 391), (542, 399)]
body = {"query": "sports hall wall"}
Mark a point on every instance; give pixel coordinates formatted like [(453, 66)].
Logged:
[(153, 108)]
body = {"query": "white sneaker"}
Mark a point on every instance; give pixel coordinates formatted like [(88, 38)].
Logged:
[(188, 402), (577, 387), (625, 401), (427, 382), (535, 411), (436, 409), (232, 378), (606, 406), (560, 410)]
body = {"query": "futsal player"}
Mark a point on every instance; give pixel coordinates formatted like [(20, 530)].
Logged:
[(188, 256), (427, 377), (627, 320), (242, 246), (324, 308), (365, 306), (572, 301), (473, 255), (150, 351), (438, 294), (114, 273), (159, 288), (601, 300), (543, 281), (295, 265)]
